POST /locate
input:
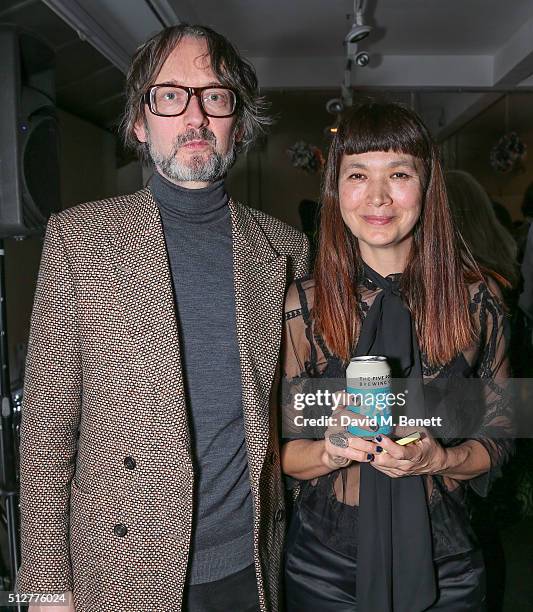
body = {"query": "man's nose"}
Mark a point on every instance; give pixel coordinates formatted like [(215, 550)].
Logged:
[(194, 116)]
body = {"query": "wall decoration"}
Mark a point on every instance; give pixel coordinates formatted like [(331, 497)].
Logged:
[(305, 156), (510, 150), (508, 153)]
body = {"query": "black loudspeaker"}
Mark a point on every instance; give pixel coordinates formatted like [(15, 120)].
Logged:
[(29, 134)]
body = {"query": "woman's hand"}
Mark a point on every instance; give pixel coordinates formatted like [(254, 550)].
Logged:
[(341, 447), (426, 456)]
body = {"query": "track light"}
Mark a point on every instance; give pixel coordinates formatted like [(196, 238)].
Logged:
[(359, 30), (334, 106), (357, 33), (362, 59)]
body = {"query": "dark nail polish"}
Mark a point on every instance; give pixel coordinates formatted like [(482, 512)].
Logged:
[(378, 438), (379, 449), (370, 457)]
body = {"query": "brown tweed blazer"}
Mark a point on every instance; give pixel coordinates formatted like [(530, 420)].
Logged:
[(104, 386)]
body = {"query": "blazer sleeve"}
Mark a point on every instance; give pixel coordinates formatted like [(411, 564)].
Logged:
[(301, 261), (50, 420)]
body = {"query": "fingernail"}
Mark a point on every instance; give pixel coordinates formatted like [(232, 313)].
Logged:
[(370, 457), (378, 438), (379, 449)]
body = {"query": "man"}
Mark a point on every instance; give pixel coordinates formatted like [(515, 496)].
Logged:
[(150, 476)]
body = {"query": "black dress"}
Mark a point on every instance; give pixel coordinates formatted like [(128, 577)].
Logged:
[(321, 551)]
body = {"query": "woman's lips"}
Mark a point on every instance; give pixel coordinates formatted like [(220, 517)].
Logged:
[(377, 220)]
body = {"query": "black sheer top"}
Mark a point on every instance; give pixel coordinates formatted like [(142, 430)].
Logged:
[(331, 501)]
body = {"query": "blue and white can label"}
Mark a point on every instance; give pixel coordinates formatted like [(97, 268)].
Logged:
[(368, 384)]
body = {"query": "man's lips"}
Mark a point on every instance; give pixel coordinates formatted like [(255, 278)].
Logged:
[(196, 144), (375, 220)]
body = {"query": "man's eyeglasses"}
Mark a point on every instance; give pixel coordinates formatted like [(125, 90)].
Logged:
[(172, 100)]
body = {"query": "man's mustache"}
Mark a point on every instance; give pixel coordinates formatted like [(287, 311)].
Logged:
[(201, 134)]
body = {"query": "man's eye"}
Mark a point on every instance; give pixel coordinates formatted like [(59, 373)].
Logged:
[(356, 176), (215, 97), (170, 96)]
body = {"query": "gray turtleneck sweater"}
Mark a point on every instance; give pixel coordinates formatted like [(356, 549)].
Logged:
[(197, 227)]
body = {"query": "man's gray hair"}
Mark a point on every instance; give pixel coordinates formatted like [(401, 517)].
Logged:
[(230, 68)]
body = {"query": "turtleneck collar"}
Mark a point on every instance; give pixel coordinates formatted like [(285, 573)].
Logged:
[(175, 203)]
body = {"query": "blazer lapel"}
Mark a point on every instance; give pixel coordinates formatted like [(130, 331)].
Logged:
[(144, 287), (260, 279)]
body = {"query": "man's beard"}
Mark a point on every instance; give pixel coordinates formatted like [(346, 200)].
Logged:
[(197, 168)]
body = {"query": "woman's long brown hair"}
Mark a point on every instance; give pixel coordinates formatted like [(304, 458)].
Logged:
[(435, 281)]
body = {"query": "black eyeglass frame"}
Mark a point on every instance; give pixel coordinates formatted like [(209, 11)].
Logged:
[(191, 91)]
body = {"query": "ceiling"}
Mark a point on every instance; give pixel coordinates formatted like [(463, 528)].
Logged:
[(459, 56), (300, 28)]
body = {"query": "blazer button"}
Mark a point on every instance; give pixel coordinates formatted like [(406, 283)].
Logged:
[(280, 515), (120, 530), (130, 463)]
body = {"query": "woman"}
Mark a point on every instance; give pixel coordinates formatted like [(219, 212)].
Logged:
[(379, 526), (489, 242)]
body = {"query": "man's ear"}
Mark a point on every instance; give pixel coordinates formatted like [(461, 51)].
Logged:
[(239, 133), (140, 130)]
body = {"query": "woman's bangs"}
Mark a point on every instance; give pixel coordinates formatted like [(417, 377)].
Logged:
[(383, 128)]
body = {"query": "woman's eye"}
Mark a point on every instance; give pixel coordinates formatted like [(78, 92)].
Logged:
[(356, 176), (400, 175)]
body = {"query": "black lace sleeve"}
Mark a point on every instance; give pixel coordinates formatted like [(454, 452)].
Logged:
[(492, 365), (301, 356)]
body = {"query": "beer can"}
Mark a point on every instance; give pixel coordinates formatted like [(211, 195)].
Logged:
[(368, 383)]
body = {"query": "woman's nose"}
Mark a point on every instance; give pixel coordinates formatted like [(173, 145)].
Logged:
[(378, 194)]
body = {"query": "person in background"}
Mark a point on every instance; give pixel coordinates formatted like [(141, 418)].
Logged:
[(526, 297), (150, 471), (503, 216), (379, 526), (524, 323), (521, 228), (491, 245)]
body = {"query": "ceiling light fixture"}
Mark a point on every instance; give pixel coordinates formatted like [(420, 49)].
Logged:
[(335, 106), (362, 59), (359, 30)]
